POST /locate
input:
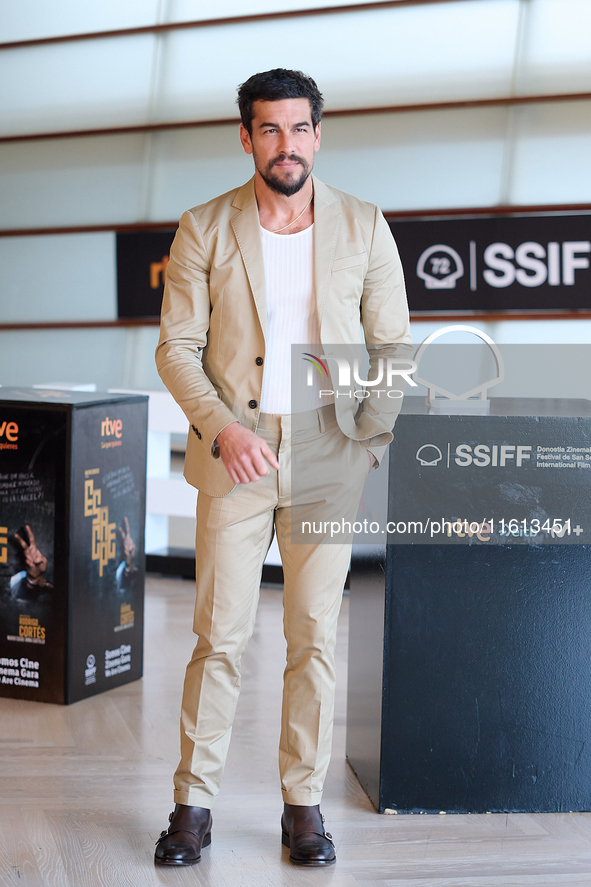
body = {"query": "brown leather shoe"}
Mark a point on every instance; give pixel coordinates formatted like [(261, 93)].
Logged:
[(304, 833), (188, 832)]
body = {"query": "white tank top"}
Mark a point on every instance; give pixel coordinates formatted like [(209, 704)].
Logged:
[(292, 319)]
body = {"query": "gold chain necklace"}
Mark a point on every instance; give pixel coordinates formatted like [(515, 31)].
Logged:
[(293, 221)]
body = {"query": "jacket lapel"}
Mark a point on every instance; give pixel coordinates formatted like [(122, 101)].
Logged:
[(245, 224), (327, 222)]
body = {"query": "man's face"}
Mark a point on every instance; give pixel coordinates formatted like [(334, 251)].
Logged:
[(283, 143)]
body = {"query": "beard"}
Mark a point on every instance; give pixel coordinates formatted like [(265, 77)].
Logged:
[(290, 186)]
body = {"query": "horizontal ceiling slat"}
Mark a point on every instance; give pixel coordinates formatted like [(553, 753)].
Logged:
[(406, 163), (415, 55), (91, 85), (446, 52), (425, 213), (557, 49), (212, 22), (339, 112)]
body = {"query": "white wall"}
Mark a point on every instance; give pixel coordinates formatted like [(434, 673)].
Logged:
[(412, 160)]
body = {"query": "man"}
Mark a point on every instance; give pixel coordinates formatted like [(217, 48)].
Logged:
[(282, 260)]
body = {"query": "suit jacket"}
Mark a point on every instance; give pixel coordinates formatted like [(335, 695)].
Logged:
[(212, 337)]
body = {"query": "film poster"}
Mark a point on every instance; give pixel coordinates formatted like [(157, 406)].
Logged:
[(107, 532), (33, 569)]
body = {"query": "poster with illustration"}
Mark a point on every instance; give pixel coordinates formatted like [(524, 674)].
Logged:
[(32, 555), (108, 490), (72, 514)]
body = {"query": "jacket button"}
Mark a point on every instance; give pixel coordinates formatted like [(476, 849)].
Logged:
[(259, 361), (198, 433), (252, 404)]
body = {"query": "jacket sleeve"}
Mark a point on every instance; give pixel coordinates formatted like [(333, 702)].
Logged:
[(386, 326), (183, 333)]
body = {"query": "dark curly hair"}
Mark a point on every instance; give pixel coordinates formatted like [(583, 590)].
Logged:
[(271, 86)]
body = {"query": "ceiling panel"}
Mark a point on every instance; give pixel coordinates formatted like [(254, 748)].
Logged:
[(423, 53), (46, 287), (414, 54), (87, 181), (95, 83), (189, 10), (397, 161), (552, 151), (30, 19), (192, 166), (416, 160), (557, 49)]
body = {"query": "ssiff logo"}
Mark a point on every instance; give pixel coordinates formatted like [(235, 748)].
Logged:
[(481, 455), (445, 267), (429, 454)]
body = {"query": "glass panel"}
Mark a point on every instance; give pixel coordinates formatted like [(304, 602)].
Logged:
[(557, 51), (73, 182), (115, 357), (80, 356), (416, 160), (28, 19), (382, 57), (94, 83), (400, 161), (193, 166), (60, 277), (432, 159), (552, 151), (188, 10)]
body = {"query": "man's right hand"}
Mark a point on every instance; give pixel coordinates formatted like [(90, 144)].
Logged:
[(245, 454)]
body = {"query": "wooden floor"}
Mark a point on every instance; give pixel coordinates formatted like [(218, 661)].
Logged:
[(85, 790)]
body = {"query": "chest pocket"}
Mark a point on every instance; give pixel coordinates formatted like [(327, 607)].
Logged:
[(349, 262)]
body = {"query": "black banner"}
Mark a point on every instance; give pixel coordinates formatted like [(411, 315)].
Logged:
[(493, 263), (496, 263), (142, 257)]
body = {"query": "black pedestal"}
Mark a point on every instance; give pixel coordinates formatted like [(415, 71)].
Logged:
[(470, 656), (72, 516)]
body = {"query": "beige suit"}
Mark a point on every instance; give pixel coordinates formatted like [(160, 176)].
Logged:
[(211, 357), (214, 315)]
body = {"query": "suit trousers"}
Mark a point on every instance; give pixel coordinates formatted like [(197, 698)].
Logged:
[(234, 533)]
